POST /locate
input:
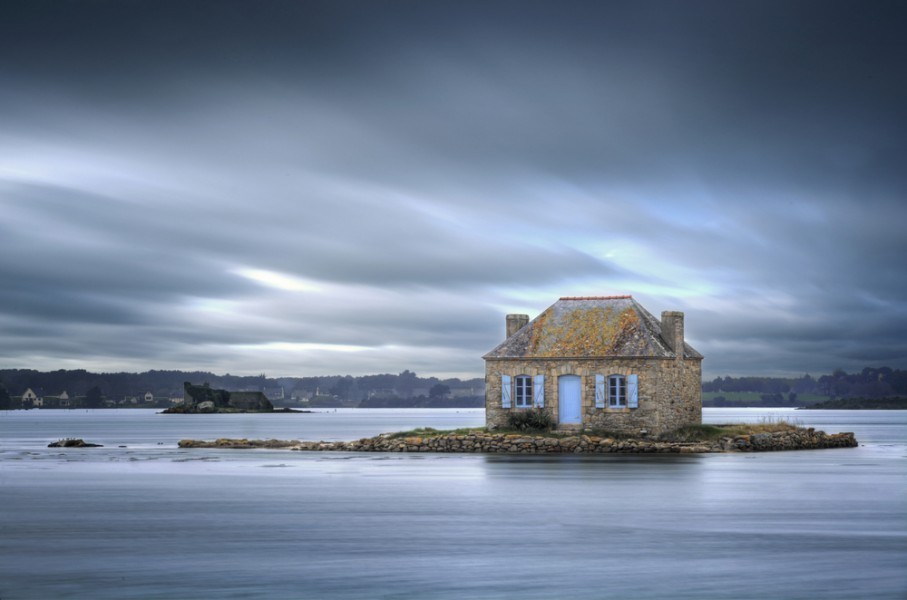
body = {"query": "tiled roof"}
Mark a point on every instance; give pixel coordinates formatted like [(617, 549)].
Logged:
[(590, 327)]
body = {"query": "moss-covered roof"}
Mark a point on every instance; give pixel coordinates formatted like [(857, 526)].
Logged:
[(590, 327)]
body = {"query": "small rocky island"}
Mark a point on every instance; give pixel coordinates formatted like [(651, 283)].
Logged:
[(696, 439), (205, 399)]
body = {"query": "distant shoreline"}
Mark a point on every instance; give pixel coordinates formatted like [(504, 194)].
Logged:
[(859, 404), (233, 411)]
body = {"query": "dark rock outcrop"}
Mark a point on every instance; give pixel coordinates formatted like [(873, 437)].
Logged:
[(205, 399), (73, 443)]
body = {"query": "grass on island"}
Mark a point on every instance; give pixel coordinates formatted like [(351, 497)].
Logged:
[(710, 433), (432, 432), (691, 433)]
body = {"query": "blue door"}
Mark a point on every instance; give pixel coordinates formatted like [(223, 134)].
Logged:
[(569, 396)]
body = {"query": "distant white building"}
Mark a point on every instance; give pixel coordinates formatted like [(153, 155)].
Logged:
[(32, 397)]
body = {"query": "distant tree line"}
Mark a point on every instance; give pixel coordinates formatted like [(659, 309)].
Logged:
[(406, 389), (869, 383), (94, 390), (896, 403)]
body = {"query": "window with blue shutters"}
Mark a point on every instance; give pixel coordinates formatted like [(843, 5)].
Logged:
[(621, 391)]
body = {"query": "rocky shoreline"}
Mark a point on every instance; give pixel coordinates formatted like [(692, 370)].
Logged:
[(500, 443)]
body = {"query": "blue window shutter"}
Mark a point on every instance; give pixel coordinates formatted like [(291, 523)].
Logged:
[(538, 389), (599, 391), (505, 391), (633, 391)]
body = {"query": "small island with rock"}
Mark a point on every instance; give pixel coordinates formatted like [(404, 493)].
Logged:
[(205, 399), (693, 439)]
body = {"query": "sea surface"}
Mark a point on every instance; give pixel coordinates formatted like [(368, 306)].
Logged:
[(141, 518)]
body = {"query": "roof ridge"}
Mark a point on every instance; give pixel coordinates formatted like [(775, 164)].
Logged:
[(625, 297)]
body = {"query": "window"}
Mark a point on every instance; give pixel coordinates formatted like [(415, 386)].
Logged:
[(523, 391), (617, 391)]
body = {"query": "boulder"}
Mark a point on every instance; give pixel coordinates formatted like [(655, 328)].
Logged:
[(73, 443)]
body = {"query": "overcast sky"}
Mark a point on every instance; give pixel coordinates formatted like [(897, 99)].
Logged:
[(313, 188)]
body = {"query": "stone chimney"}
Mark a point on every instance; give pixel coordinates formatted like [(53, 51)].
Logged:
[(672, 331), (515, 323)]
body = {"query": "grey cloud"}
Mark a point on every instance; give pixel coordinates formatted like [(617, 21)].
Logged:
[(426, 164), (84, 240)]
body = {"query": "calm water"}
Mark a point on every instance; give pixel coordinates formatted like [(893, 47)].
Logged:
[(149, 520)]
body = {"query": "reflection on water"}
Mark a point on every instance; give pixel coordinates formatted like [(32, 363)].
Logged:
[(153, 521)]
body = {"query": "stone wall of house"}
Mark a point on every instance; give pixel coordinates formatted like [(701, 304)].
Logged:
[(669, 392)]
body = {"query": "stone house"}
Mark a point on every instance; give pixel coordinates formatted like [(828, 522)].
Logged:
[(602, 363)]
